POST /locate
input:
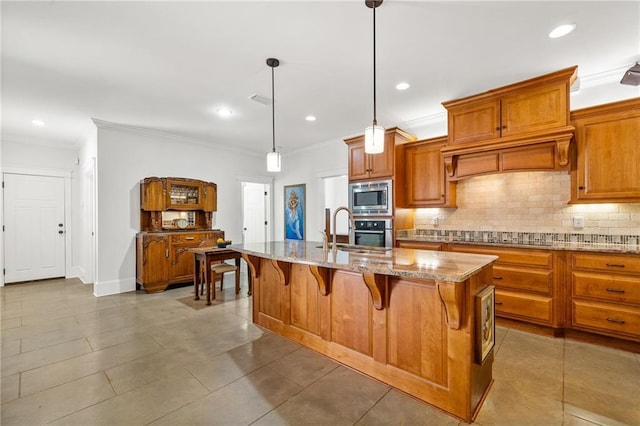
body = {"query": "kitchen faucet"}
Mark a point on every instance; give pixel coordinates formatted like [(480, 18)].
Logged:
[(351, 225)]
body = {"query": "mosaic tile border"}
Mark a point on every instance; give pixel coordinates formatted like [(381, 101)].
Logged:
[(525, 238)]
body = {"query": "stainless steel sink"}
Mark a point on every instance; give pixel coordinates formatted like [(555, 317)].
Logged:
[(359, 249)]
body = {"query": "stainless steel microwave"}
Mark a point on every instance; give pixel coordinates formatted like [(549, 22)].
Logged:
[(373, 198)]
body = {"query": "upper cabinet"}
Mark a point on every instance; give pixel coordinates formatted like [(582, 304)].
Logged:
[(489, 131), (424, 182), (364, 166), (608, 153), (176, 203)]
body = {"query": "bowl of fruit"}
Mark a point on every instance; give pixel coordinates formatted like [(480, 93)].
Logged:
[(222, 243)]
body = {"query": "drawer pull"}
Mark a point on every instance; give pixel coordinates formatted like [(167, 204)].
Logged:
[(615, 265), (497, 277), (617, 321), (189, 238), (615, 290), (498, 303)]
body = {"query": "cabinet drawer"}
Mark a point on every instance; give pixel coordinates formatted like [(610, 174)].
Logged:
[(609, 263), (609, 288), (607, 318), (188, 238), (529, 279), (419, 245), (528, 306), (528, 257)]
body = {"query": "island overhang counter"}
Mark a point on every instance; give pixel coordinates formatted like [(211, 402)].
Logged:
[(409, 318)]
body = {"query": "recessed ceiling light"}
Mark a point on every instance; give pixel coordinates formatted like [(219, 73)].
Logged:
[(402, 85), (310, 118), (562, 30), (37, 123), (224, 112)]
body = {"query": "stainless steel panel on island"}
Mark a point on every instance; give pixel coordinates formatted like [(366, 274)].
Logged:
[(410, 318)]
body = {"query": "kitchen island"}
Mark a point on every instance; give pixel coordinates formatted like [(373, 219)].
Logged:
[(409, 318)]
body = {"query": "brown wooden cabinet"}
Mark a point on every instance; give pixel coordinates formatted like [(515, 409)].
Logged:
[(164, 201), (608, 153), (523, 126), (175, 215), (605, 294), (363, 166), (419, 245), (423, 181), (163, 257), (526, 286)]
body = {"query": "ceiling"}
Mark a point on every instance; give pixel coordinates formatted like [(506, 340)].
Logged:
[(168, 66)]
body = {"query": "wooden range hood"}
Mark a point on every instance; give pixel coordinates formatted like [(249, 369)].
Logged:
[(520, 127)]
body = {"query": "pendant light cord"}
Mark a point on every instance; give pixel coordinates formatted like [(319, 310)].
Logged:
[(273, 111), (375, 122)]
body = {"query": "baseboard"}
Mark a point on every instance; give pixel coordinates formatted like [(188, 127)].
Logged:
[(106, 288)]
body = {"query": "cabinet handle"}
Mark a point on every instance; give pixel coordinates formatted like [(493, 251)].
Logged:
[(498, 303), (581, 187), (504, 127), (615, 265), (189, 238), (615, 290), (166, 253), (497, 277), (498, 128), (617, 321)]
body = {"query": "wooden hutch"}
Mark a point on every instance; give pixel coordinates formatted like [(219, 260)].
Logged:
[(175, 214)]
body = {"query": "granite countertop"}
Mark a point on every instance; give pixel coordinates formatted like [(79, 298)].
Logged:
[(551, 245), (410, 263)]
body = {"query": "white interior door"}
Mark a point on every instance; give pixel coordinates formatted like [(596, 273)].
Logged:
[(254, 212), (34, 227)]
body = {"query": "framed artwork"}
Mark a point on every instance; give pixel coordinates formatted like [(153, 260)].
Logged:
[(485, 322), (294, 212)]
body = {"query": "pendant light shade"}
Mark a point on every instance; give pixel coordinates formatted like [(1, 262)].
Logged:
[(274, 160), (374, 139), (374, 134)]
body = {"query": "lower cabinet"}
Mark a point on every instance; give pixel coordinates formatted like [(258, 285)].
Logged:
[(605, 294), (162, 258), (527, 287)]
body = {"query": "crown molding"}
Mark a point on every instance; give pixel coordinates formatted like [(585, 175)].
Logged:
[(103, 124)]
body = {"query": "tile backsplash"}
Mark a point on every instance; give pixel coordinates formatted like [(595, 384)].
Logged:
[(530, 202)]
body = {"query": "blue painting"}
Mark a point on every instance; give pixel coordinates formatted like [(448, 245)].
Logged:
[(294, 209)]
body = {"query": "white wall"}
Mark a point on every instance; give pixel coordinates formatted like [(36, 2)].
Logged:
[(126, 156), (309, 166)]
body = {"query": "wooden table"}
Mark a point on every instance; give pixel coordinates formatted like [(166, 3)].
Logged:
[(203, 257)]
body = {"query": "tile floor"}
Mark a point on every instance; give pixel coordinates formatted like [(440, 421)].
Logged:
[(135, 359)]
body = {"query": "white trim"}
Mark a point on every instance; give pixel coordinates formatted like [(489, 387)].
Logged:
[(37, 172), (107, 288), (102, 124)]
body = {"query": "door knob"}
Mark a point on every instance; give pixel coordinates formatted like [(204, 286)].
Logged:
[(61, 232), (60, 225)]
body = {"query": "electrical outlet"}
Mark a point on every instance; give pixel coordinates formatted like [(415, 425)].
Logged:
[(578, 222), (435, 221)]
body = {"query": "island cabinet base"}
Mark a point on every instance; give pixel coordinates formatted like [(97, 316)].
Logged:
[(416, 335)]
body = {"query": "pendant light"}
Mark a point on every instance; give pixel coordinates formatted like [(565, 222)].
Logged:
[(273, 157), (374, 134)]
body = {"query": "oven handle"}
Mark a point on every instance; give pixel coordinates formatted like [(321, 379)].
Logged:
[(369, 232)]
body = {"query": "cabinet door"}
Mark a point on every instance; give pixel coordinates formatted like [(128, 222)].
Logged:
[(151, 194), (210, 197), (425, 175), (608, 157), (381, 165), (183, 194), (152, 253), (180, 257), (536, 109), (358, 164), (474, 122)]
